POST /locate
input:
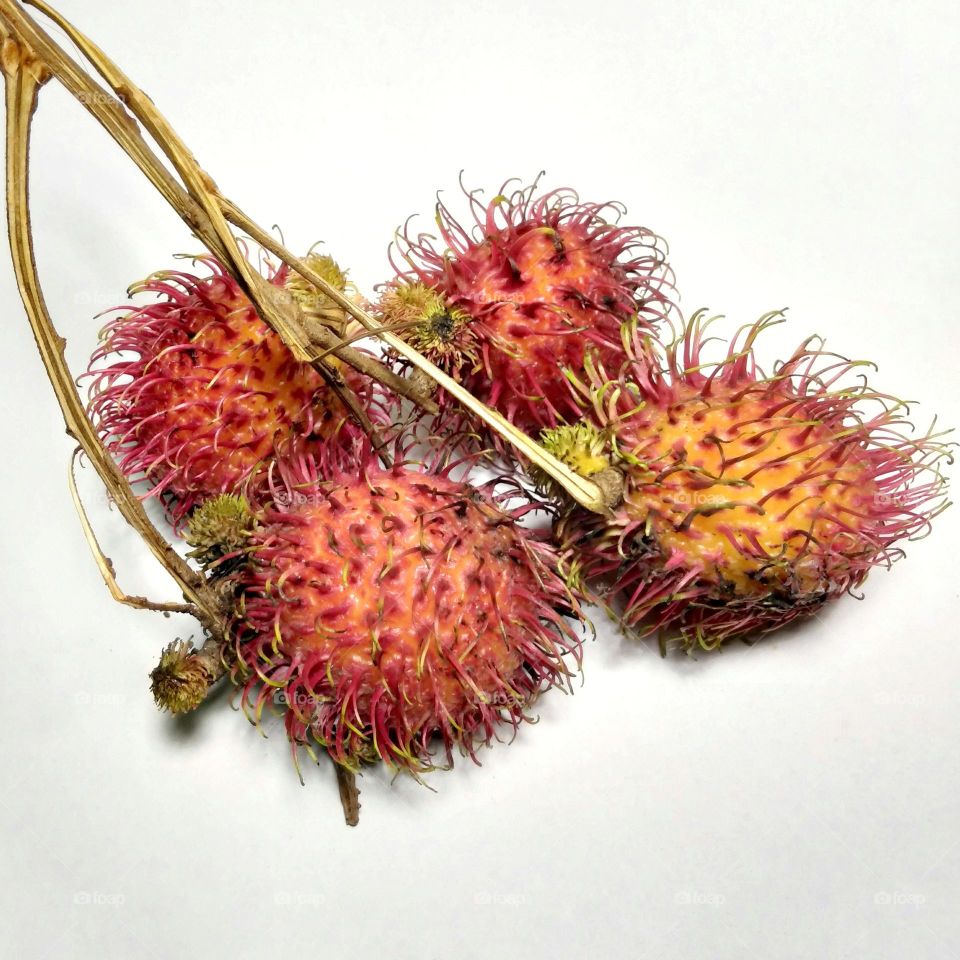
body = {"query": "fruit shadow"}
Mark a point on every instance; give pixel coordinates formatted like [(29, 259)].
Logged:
[(621, 643), (186, 727)]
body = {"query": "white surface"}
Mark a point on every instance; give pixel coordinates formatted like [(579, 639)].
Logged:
[(796, 799)]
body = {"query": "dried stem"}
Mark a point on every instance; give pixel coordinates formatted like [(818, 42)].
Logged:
[(105, 564), (206, 212), (24, 74), (349, 795)]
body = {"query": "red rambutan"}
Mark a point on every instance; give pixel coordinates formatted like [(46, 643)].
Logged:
[(748, 500), (394, 608), (199, 393), (510, 303)]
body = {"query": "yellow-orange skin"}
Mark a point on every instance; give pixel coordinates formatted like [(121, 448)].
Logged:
[(759, 463)]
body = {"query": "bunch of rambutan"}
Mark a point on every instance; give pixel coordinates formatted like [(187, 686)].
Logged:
[(385, 607), (350, 570), (737, 501), (394, 609)]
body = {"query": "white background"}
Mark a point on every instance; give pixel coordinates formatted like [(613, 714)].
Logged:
[(794, 799)]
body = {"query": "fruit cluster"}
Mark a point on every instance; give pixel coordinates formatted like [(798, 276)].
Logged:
[(386, 602)]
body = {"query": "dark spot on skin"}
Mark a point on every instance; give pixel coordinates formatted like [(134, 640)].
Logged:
[(579, 298), (444, 327)]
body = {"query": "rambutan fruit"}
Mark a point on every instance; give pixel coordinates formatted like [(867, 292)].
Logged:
[(393, 610), (194, 393), (748, 500), (511, 302)]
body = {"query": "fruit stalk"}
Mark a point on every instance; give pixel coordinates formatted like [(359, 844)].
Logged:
[(30, 58), (24, 75)]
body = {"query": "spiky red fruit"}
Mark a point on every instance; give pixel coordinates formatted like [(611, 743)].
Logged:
[(394, 608), (749, 500), (198, 393), (543, 279)]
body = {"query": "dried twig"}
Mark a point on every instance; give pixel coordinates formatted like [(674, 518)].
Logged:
[(29, 58), (349, 795), (24, 74), (105, 564)]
